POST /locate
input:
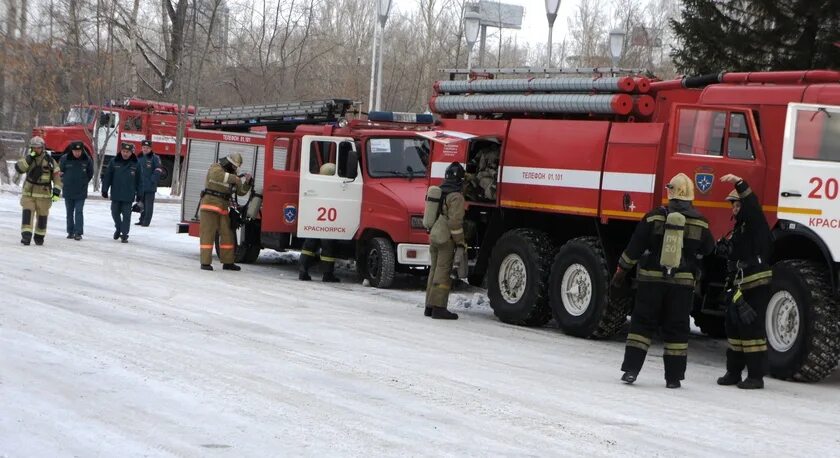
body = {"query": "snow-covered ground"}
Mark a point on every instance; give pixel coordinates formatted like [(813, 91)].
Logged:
[(110, 349)]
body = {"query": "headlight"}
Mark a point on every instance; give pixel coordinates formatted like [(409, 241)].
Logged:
[(417, 222)]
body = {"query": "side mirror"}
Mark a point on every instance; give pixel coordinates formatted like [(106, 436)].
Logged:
[(351, 168), (103, 119)]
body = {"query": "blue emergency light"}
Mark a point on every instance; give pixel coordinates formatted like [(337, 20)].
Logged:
[(395, 116)]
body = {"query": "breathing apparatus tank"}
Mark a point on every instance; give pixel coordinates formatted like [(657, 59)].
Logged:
[(432, 209), (672, 242)]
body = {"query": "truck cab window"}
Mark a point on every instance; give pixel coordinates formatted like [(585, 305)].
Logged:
[(817, 136), (319, 154), (405, 157), (701, 132), (739, 145)]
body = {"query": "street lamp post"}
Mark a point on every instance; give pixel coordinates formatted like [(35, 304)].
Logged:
[(471, 26), (616, 46), (371, 98), (551, 7), (383, 8)]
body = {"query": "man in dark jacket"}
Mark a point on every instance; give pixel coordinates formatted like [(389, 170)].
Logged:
[(76, 172), (748, 250), (665, 295), (123, 180), (150, 172)]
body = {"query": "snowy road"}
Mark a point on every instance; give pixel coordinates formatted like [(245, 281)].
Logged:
[(109, 349)]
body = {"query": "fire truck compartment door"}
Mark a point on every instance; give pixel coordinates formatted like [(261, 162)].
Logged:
[(107, 132), (809, 187), (329, 206)]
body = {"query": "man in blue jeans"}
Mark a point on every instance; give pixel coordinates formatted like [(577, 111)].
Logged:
[(150, 172), (123, 180), (76, 172)]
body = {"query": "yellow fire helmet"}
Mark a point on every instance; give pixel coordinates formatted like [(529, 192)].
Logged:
[(681, 188)]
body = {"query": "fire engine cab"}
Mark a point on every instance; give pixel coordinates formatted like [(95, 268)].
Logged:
[(568, 165), (130, 121), (373, 203)]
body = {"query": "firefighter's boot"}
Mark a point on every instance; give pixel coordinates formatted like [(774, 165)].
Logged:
[(329, 272), (428, 311), (26, 238), (441, 313), (629, 377), (39, 239), (729, 378), (233, 267), (206, 267), (306, 262), (751, 384)]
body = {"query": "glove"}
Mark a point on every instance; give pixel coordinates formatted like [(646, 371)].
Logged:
[(105, 194), (32, 152), (746, 314), (618, 285), (56, 193)]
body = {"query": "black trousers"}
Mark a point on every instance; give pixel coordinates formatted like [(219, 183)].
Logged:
[(148, 200), (121, 213), (660, 306), (748, 342), (309, 254)]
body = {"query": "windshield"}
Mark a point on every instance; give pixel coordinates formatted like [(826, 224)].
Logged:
[(397, 157), (817, 136), (78, 115)]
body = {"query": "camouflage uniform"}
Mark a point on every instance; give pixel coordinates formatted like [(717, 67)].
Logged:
[(41, 187), (220, 184)]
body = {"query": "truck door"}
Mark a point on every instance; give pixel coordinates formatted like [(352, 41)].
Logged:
[(329, 206), (809, 184), (107, 132), (706, 143)]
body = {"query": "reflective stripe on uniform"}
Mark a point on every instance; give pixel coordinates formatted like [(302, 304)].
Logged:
[(748, 346), (226, 246), (327, 258), (653, 218), (308, 253), (456, 231), (638, 341), (206, 247), (626, 259), (679, 278), (213, 208), (676, 349), (757, 279), (697, 222)]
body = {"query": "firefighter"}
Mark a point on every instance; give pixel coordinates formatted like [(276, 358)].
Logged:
[(451, 223), (221, 182), (309, 252), (668, 246), (76, 172), (41, 188), (122, 179), (748, 250), (150, 173)]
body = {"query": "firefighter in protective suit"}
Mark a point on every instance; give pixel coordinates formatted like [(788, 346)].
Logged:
[(219, 186), (747, 249), (666, 248), (41, 188), (446, 235), (309, 252)]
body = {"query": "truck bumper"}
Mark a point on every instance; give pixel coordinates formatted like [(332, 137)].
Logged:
[(413, 254)]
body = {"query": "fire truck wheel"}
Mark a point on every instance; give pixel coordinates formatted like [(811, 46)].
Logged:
[(803, 331), (579, 291), (379, 261), (517, 278), (167, 164)]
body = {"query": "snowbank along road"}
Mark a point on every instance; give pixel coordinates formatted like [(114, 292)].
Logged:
[(110, 349)]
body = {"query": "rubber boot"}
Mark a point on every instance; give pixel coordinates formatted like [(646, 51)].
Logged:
[(206, 267), (233, 267), (25, 238), (629, 377), (39, 239), (729, 378), (751, 384), (441, 313)]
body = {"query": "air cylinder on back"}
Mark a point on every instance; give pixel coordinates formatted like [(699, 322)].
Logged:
[(432, 209)]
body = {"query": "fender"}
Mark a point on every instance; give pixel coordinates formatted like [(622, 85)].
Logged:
[(786, 228)]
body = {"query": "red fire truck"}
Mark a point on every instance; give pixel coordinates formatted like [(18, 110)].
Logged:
[(374, 202), (131, 121), (581, 160)]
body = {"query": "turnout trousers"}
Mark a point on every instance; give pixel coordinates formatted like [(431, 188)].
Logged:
[(35, 209), (666, 307), (748, 342), (212, 221), (439, 283), (309, 254)]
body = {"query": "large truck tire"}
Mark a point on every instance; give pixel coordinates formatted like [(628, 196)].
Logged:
[(579, 291), (248, 244), (167, 165), (379, 261), (517, 277), (803, 325)]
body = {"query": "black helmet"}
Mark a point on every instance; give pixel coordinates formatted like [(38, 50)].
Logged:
[(455, 172)]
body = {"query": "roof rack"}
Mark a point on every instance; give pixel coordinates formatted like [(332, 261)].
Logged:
[(280, 116), (541, 71)]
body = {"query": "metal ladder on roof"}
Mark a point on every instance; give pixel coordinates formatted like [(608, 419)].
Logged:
[(279, 115)]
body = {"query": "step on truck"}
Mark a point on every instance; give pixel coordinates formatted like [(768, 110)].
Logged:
[(564, 167), (373, 204), (128, 121)]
